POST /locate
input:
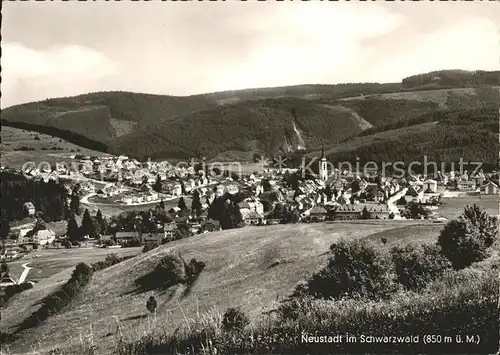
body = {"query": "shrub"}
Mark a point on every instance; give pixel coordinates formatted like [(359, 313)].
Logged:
[(234, 319), (171, 270), (147, 247), (487, 225), (194, 269), (111, 259), (10, 291), (462, 243), (60, 298), (151, 304), (416, 266), (82, 273), (355, 268)]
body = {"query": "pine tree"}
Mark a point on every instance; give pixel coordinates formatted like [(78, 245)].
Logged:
[(101, 222), (74, 205), (365, 214), (157, 185), (4, 226), (196, 204), (182, 204), (4, 268), (73, 231), (151, 304), (88, 227)]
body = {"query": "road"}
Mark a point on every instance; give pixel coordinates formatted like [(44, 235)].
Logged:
[(391, 203), (24, 274)]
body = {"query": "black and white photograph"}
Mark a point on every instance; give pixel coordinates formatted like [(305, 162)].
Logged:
[(249, 177)]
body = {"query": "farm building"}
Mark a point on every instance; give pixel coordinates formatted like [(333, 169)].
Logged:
[(491, 188)]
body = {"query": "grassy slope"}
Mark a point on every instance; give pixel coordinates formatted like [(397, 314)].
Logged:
[(237, 273), (52, 270), (15, 138)]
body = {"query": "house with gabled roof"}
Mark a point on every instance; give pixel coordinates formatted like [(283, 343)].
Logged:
[(253, 218), (430, 186), (317, 214), (6, 280), (379, 211), (491, 188), (347, 212), (414, 194)]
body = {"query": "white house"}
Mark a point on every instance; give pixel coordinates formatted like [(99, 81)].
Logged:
[(491, 188), (430, 186), (44, 236)]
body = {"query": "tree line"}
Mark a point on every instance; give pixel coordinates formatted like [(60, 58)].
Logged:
[(49, 198)]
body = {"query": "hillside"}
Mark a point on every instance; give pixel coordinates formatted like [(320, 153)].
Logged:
[(442, 136), (238, 272), (265, 120), (19, 146)]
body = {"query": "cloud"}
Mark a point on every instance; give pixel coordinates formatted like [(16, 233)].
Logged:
[(470, 45), (305, 43), (29, 74), (195, 47)]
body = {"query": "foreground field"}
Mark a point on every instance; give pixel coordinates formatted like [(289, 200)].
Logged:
[(239, 272)]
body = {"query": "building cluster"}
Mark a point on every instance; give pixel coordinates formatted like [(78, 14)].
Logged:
[(266, 197)]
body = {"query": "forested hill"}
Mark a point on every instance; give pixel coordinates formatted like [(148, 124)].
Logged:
[(245, 122), (443, 137)]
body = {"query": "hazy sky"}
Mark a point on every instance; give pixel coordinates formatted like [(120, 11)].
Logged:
[(54, 49)]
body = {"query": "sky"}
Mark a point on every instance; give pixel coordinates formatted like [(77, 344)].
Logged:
[(54, 49)]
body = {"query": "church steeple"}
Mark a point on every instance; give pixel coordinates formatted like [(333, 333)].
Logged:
[(323, 166)]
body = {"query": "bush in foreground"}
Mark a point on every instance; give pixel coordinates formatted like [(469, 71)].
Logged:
[(111, 259), (234, 319), (463, 243), (148, 247), (487, 225), (10, 291), (60, 298), (171, 270), (446, 308), (417, 265), (355, 268)]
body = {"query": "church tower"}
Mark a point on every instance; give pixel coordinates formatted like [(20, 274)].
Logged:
[(323, 166)]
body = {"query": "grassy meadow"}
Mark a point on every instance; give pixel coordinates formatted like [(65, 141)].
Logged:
[(252, 268), (46, 148)]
